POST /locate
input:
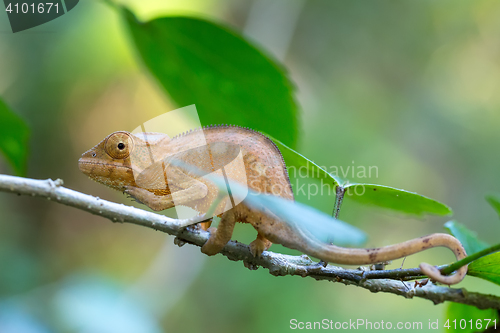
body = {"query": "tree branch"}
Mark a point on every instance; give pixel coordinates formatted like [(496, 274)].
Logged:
[(277, 264)]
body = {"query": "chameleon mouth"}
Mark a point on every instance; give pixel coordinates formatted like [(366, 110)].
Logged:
[(90, 167)]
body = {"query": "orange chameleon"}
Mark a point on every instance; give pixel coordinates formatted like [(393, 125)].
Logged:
[(110, 163)]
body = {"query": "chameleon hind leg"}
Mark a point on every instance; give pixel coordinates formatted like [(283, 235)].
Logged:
[(221, 235), (259, 245)]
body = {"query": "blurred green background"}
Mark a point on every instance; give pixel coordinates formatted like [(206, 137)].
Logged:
[(410, 87)]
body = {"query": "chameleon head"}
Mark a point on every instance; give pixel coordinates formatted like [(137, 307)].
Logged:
[(109, 163)]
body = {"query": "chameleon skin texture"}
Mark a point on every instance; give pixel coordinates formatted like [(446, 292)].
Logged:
[(164, 184), (264, 169)]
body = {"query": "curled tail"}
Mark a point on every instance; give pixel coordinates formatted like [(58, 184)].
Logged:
[(315, 239), (350, 256)]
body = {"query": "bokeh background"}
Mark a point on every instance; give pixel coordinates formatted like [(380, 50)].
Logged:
[(411, 87)]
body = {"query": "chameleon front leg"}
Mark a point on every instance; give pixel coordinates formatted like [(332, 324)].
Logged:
[(193, 190), (221, 235), (153, 201)]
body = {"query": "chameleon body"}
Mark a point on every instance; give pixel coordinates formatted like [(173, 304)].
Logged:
[(111, 164)]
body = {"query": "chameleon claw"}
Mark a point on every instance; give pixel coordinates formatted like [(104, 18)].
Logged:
[(256, 248), (179, 242), (250, 266), (210, 248), (194, 227)]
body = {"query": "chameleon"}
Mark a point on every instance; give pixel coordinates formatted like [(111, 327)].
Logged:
[(110, 163)]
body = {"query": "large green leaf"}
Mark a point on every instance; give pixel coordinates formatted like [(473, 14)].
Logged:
[(370, 194), (13, 139), (467, 237), (494, 201), (395, 199), (463, 314), (487, 268), (230, 80)]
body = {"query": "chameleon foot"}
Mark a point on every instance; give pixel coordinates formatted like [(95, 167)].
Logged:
[(259, 245), (179, 242), (250, 266), (211, 247)]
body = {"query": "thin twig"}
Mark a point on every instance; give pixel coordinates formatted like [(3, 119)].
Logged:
[(278, 264), (467, 260)]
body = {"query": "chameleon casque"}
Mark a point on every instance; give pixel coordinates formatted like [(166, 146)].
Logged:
[(110, 163)]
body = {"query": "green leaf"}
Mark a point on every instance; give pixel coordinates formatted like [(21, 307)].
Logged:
[(378, 195), (487, 268), (467, 237), (301, 166), (14, 134), (229, 80), (462, 312), (494, 201), (395, 199)]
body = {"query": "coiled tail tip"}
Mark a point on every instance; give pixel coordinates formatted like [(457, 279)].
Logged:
[(434, 274)]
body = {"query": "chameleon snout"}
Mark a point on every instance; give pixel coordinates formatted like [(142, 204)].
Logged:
[(85, 165), (85, 162)]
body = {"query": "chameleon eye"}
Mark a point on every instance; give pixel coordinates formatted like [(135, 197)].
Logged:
[(119, 145)]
